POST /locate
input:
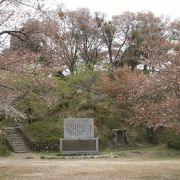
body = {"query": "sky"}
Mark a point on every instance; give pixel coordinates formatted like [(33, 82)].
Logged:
[(170, 8)]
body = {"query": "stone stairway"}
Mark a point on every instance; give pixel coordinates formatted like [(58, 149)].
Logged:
[(15, 140)]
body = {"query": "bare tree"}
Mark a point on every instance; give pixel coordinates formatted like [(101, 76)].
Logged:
[(114, 35), (151, 36), (90, 41), (64, 38)]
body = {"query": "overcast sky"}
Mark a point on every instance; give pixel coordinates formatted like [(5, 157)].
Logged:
[(113, 7)]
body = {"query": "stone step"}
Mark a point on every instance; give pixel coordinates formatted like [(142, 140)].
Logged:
[(11, 131), (19, 144), (21, 149), (16, 141), (14, 137), (14, 132)]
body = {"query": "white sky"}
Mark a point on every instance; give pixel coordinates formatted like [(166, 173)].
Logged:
[(113, 7)]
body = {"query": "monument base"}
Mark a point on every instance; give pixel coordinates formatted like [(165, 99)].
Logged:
[(79, 146)]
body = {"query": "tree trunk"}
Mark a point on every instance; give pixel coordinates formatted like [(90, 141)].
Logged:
[(152, 135), (110, 53)]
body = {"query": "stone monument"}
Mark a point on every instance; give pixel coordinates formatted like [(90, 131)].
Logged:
[(79, 137)]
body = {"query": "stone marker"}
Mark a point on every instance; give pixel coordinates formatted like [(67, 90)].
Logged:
[(78, 128), (79, 137)]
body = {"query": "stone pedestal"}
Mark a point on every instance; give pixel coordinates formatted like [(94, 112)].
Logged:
[(79, 146)]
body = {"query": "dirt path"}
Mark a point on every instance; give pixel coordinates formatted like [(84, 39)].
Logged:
[(23, 167)]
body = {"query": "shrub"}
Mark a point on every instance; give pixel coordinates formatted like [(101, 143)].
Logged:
[(3, 148), (175, 144)]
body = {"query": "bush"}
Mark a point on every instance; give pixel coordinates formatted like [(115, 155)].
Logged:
[(3, 148), (42, 131), (175, 144)]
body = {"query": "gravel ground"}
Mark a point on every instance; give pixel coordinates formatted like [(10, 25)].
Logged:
[(34, 167)]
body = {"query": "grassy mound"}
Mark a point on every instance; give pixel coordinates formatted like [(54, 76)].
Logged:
[(77, 96)]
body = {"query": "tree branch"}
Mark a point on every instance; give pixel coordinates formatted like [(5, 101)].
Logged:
[(7, 87), (2, 1)]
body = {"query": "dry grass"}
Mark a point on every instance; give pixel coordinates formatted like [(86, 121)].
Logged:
[(19, 168)]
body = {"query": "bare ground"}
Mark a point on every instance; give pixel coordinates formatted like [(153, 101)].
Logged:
[(32, 167)]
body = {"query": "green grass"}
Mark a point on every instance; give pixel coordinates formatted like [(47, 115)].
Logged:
[(4, 151), (146, 152), (66, 84), (48, 123), (158, 152), (42, 131), (7, 123), (165, 135)]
